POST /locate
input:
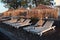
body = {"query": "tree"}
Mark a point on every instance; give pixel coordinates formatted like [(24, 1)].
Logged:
[(18, 3), (12, 3), (45, 2)]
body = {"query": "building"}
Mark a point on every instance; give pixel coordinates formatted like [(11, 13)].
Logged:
[(57, 5)]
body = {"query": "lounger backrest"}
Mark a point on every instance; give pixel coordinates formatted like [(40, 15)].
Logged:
[(21, 20), (27, 21), (48, 24), (13, 20), (38, 23)]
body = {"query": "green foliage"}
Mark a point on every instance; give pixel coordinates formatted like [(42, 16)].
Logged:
[(12, 3), (16, 3), (45, 2)]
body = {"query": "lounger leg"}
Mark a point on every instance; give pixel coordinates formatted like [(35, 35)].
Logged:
[(53, 27), (40, 34), (17, 27)]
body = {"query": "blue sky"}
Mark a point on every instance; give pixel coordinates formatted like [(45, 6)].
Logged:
[(3, 9)]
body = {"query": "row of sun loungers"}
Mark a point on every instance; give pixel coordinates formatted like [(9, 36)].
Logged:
[(17, 24), (37, 28), (41, 29)]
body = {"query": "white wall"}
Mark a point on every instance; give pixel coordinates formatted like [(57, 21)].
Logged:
[(57, 2)]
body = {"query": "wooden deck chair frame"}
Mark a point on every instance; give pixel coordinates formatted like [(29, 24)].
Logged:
[(10, 21), (36, 25), (26, 22), (40, 33)]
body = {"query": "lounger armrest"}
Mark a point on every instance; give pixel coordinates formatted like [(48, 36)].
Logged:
[(30, 23), (53, 27)]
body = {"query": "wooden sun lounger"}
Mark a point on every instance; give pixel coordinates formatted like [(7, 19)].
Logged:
[(17, 25), (36, 25), (4, 18), (10, 21), (41, 30), (13, 21), (21, 20)]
